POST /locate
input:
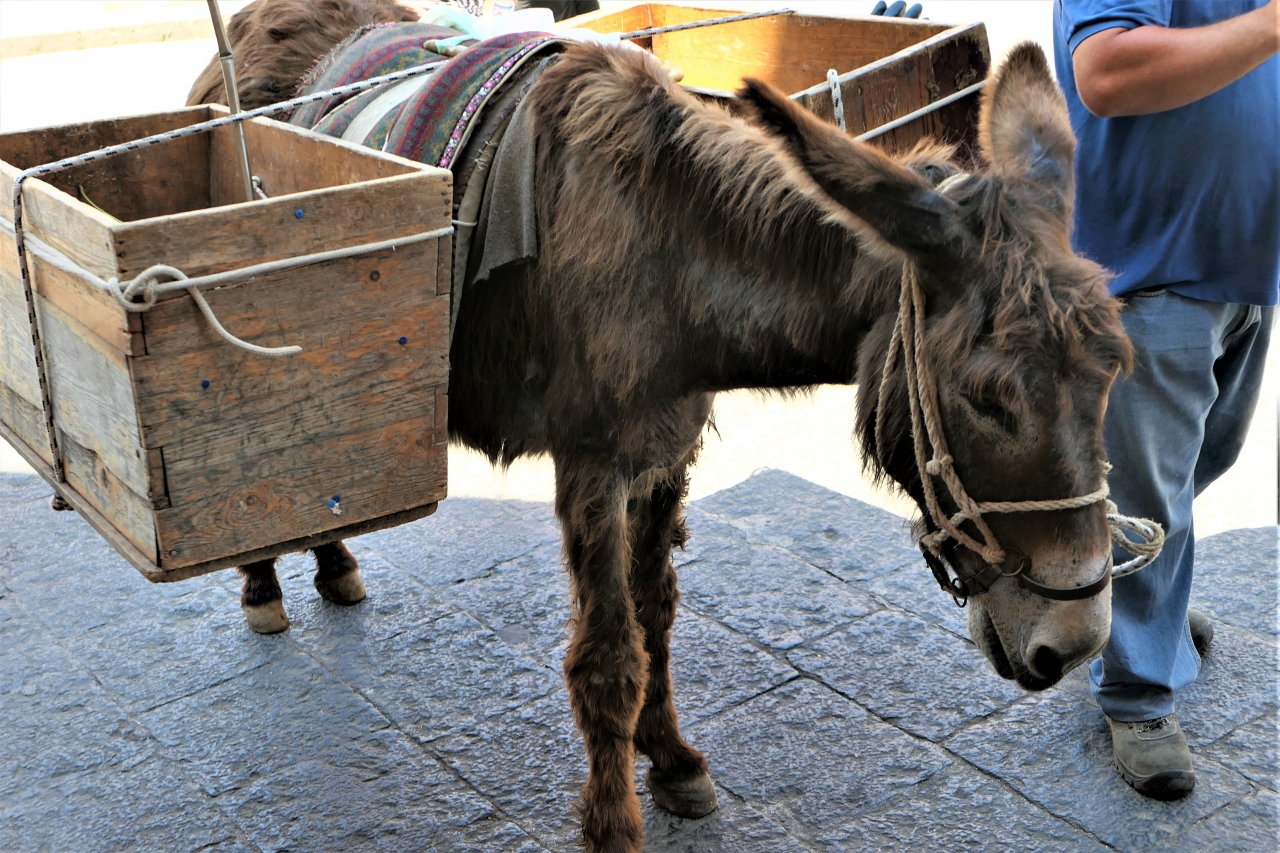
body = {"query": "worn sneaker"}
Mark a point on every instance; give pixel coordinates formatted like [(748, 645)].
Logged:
[(1201, 630), (1153, 757)]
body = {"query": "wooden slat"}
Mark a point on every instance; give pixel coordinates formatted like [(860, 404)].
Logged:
[(93, 396), (92, 306), (791, 52), (228, 237), (291, 546), (290, 160), (70, 226), (26, 423), (265, 500), (17, 359), (91, 475)]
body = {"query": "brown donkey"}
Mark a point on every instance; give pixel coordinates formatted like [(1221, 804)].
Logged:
[(685, 251)]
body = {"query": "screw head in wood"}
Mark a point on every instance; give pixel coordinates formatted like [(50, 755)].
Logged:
[(403, 340), (299, 213), (204, 383)]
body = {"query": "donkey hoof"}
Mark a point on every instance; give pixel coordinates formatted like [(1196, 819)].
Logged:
[(691, 798), (268, 618), (346, 590)]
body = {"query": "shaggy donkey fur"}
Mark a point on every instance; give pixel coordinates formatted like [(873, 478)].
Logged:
[(766, 252)]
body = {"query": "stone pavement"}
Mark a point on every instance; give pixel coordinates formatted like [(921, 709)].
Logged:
[(830, 683)]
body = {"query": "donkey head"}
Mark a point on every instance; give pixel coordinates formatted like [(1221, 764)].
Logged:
[(1021, 334)]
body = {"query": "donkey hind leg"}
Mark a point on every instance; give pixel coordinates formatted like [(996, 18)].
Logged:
[(261, 599), (338, 574), (679, 781), (605, 667)]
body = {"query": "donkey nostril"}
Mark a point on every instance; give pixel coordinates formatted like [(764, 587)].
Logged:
[(1046, 663)]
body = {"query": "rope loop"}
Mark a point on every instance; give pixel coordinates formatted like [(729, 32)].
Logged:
[(145, 286)]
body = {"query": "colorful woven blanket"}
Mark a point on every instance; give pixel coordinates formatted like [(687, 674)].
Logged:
[(426, 119)]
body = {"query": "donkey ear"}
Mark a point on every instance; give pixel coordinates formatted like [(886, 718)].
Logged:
[(897, 203), (1024, 130)]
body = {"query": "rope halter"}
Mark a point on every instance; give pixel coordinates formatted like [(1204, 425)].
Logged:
[(927, 432)]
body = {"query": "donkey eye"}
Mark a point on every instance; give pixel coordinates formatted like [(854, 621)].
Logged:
[(990, 407)]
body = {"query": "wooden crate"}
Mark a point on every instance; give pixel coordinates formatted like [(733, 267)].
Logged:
[(889, 68), (189, 454)]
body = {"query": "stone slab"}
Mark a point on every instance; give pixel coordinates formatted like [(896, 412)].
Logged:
[(1057, 753), (907, 672), (1250, 824), (812, 760), (200, 639), (851, 539), (1236, 578), (439, 677), (147, 808), (771, 595), (1252, 750), (1238, 682), (912, 588), (961, 808), (270, 718), (408, 803), (465, 538), (708, 534)]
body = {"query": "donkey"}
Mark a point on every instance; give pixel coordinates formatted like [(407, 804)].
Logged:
[(761, 248)]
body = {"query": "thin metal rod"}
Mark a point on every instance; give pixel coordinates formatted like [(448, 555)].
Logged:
[(925, 110), (233, 95), (655, 31)]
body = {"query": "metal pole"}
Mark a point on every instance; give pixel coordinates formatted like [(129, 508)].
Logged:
[(233, 96)]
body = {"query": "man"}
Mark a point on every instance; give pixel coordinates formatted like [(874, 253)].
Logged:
[(1177, 109)]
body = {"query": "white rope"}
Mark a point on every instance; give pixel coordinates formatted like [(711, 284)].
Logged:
[(141, 293)]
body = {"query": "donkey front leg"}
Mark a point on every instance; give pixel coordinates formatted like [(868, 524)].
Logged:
[(679, 781), (605, 667), (261, 599), (338, 574)]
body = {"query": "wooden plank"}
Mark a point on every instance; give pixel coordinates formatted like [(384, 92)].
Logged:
[(93, 396), (260, 501), (17, 359), (442, 414), (72, 227), (92, 306), (791, 52), (348, 531), (291, 160), (238, 235), (444, 266), (158, 494), (25, 422), (90, 474), (161, 179)]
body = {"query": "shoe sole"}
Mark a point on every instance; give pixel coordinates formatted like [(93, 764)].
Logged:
[(1166, 785)]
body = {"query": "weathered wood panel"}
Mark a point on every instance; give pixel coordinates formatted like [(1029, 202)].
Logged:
[(72, 227), (162, 179), (256, 501), (352, 369), (94, 307), (25, 420), (93, 395), (275, 152), (228, 237), (17, 360), (91, 474)]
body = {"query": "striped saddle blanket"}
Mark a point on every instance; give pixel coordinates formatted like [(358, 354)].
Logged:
[(466, 116), (426, 119)]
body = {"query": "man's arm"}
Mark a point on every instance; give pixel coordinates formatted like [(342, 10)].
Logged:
[(1144, 70)]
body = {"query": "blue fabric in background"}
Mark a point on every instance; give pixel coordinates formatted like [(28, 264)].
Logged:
[(1188, 198)]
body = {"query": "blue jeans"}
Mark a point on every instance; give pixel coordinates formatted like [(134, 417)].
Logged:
[(1172, 428)]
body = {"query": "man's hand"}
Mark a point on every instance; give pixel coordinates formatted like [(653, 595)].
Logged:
[(1123, 72), (897, 10)]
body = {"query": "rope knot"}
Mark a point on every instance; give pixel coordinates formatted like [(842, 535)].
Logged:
[(145, 286), (938, 464)]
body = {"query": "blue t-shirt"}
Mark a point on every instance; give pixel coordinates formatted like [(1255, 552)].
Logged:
[(1187, 198)]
